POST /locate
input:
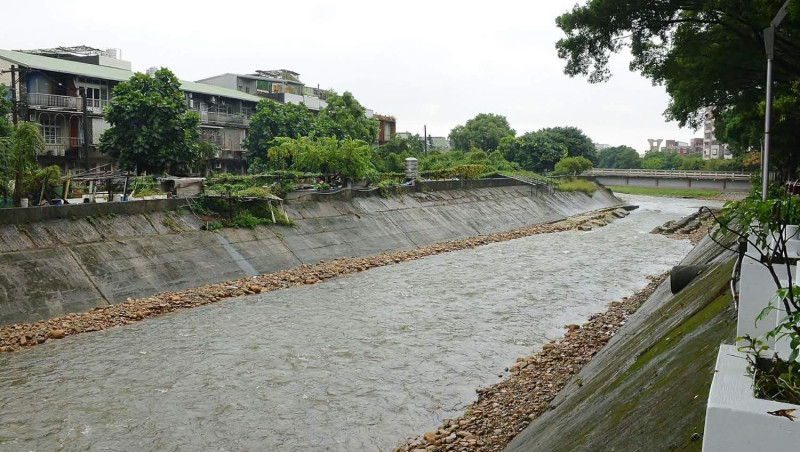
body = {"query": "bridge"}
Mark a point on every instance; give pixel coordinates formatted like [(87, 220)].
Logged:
[(698, 180)]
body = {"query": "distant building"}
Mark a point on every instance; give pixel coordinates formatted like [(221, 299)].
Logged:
[(600, 146), (655, 144), (387, 127), (712, 149), (48, 92), (439, 143), (681, 147), (281, 85)]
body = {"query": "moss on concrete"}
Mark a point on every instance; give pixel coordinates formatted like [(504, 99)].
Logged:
[(647, 390)]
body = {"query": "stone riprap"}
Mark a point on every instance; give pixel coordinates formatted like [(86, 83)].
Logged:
[(52, 268)]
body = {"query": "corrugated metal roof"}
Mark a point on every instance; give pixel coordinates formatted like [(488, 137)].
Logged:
[(66, 66), (213, 90), (109, 73)]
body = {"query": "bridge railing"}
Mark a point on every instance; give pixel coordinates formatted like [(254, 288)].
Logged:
[(670, 174)]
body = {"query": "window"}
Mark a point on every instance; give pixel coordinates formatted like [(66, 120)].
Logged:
[(50, 131), (247, 89)]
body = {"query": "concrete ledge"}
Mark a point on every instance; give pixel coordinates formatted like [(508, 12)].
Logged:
[(20, 215), (736, 420)]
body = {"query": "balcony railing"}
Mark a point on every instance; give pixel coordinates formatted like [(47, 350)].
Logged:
[(53, 101), (211, 117), (64, 102)]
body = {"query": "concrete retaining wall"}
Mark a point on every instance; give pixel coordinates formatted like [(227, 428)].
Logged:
[(59, 266), (647, 388)]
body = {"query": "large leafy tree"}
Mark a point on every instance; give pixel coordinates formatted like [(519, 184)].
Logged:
[(5, 111), (151, 126), (572, 166), (705, 53), (273, 120), (620, 157), (18, 153), (345, 118), (484, 132), (576, 142), (534, 151), (347, 158)]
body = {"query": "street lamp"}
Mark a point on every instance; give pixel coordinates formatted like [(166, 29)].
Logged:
[(769, 44)]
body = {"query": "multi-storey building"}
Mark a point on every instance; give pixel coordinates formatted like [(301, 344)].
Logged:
[(712, 149), (47, 85), (387, 127), (281, 85)]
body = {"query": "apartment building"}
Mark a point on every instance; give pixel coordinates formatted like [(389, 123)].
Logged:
[(48, 83), (387, 127), (712, 149), (281, 85)]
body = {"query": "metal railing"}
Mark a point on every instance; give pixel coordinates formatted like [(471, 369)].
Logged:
[(65, 102), (53, 100), (670, 174)]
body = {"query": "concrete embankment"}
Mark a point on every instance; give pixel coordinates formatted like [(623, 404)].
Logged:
[(647, 388), (54, 267)]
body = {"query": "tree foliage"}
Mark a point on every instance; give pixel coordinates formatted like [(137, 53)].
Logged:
[(572, 166), (621, 157), (484, 132), (348, 158), (413, 145), (706, 54), (18, 153), (576, 142), (151, 127), (5, 111), (345, 118), (534, 151), (273, 120)]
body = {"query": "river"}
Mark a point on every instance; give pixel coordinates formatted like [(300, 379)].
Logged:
[(355, 363)]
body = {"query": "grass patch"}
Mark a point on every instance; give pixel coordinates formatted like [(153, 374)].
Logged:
[(581, 185), (667, 192)]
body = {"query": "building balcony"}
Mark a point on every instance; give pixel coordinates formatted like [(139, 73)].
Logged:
[(210, 117), (58, 102), (53, 101)]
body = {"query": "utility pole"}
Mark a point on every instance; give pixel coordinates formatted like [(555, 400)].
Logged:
[(85, 121), (425, 138), (769, 44), (14, 117)]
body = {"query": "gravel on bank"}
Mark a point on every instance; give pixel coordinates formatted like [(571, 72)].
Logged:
[(504, 409), (24, 335)]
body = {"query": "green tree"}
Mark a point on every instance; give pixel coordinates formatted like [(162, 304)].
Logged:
[(151, 127), (621, 157), (572, 166), (273, 120), (18, 153), (664, 160), (345, 118), (706, 54), (576, 142), (413, 145), (5, 111), (484, 132), (348, 158), (533, 151)]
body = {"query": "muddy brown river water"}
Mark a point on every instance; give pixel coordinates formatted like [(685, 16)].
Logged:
[(354, 363)]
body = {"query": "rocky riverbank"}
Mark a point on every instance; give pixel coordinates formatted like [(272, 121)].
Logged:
[(23, 335), (506, 408), (692, 227)]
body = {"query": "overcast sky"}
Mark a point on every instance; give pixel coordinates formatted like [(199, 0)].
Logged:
[(436, 63)]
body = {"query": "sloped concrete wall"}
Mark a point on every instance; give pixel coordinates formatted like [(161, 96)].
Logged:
[(647, 388), (60, 266)]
